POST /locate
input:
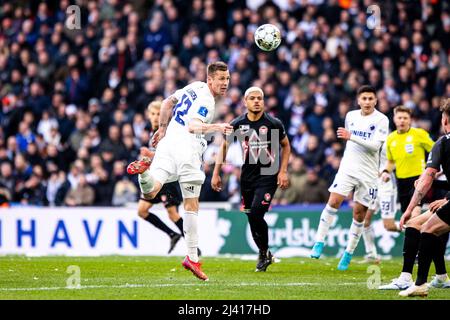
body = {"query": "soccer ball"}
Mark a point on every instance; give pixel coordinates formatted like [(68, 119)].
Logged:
[(267, 37)]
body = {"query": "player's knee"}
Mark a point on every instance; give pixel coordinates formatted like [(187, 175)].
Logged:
[(359, 214), (142, 213), (258, 210), (191, 205), (335, 201)]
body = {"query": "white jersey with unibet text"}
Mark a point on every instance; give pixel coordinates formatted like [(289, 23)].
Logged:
[(359, 161), (195, 101)]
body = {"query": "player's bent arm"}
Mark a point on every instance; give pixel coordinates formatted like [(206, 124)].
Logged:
[(198, 126), (166, 111), (220, 158), (285, 153), (370, 145), (423, 185)]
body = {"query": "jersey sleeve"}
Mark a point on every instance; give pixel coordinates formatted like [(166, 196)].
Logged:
[(201, 109), (434, 157), (346, 121), (279, 125), (234, 124), (178, 94), (425, 140), (382, 130)]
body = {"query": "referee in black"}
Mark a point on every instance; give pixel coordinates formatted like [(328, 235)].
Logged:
[(261, 136), (439, 223)]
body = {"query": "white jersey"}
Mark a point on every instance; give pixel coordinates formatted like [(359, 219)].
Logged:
[(359, 161), (383, 157), (195, 101)]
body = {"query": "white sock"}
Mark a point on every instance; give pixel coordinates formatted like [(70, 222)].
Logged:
[(354, 235), (442, 277), (406, 276), (191, 234), (146, 182), (326, 220), (369, 241), (397, 225)]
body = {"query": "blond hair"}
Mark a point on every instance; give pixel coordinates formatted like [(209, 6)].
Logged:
[(402, 108), (154, 105), (445, 107)]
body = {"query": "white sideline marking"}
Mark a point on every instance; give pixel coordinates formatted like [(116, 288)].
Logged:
[(293, 284)]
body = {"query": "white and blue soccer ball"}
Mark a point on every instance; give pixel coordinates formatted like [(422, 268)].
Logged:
[(267, 37)]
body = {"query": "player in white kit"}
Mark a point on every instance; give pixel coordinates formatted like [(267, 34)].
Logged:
[(180, 146), (365, 132), (386, 203)]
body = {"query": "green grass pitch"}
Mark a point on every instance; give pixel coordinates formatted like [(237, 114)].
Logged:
[(163, 278)]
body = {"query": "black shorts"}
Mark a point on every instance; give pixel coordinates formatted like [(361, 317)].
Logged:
[(169, 195), (444, 213), (405, 189), (257, 196)]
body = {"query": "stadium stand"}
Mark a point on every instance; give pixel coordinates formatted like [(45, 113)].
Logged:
[(73, 101)]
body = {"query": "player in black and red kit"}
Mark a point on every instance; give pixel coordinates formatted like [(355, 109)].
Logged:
[(261, 136)]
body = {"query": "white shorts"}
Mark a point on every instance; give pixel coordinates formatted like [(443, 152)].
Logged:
[(364, 191), (386, 200), (173, 162)]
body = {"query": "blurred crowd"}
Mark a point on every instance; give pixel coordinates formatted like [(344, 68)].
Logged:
[(73, 101)]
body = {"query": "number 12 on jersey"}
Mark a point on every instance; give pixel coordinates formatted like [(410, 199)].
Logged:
[(181, 108)]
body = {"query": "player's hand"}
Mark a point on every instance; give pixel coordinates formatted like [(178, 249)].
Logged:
[(216, 183), (385, 177), (436, 205), (404, 219), (225, 128), (283, 180), (343, 133), (157, 136)]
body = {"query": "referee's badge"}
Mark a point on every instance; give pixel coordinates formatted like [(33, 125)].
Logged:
[(267, 197), (409, 148)]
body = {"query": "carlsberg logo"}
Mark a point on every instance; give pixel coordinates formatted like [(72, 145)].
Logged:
[(290, 232)]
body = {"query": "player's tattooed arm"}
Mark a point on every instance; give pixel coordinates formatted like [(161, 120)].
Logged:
[(164, 118), (423, 185), (166, 111)]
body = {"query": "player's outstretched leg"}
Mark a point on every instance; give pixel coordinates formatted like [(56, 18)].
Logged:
[(143, 163)]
